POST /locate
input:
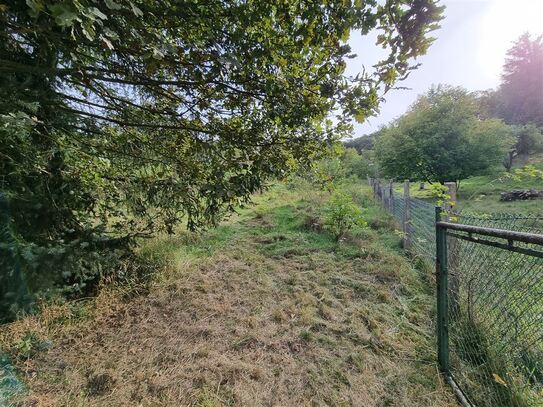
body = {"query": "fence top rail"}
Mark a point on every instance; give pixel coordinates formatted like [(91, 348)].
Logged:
[(531, 238)]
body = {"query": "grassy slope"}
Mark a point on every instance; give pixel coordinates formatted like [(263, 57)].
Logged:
[(482, 193), (265, 310)]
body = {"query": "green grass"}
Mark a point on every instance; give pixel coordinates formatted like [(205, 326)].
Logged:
[(266, 309), (481, 194)]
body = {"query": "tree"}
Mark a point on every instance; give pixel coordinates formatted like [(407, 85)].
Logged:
[(361, 164), (529, 139), (442, 139), (521, 90), (489, 103), (362, 143), (121, 118)]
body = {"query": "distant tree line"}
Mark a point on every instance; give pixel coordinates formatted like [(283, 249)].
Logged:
[(519, 98), (449, 134)]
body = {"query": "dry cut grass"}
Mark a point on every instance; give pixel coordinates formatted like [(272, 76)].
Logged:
[(267, 310)]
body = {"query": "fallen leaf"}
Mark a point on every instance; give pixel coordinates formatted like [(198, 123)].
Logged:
[(499, 380)]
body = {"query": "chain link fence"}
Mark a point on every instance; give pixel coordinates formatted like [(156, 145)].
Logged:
[(490, 327), (496, 312), (423, 238)]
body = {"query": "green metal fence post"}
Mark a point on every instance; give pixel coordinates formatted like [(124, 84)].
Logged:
[(442, 298)]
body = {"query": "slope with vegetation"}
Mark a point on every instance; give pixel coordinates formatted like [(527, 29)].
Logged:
[(482, 193), (472, 138), (125, 118), (270, 308)]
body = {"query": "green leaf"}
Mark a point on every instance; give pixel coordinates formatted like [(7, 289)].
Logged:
[(108, 43), (137, 12), (360, 117), (345, 36), (88, 31), (112, 5), (36, 6), (157, 54), (97, 13), (64, 15), (111, 34)]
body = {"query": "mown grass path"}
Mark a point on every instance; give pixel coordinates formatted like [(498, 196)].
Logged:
[(266, 310)]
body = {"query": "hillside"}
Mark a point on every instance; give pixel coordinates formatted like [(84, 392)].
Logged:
[(482, 193), (265, 310)]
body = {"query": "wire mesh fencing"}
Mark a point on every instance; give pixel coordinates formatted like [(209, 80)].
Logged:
[(422, 231), (495, 315), (490, 298), (416, 217), (398, 206)]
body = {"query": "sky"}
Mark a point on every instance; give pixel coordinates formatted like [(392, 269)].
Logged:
[(469, 51)]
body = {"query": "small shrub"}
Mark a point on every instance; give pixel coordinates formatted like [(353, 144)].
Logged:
[(29, 345), (342, 214)]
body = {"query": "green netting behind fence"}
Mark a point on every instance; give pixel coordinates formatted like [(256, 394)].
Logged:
[(496, 315), (495, 302)]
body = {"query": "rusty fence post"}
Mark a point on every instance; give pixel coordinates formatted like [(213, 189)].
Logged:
[(453, 257), (391, 196), (383, 190), (407, 229)]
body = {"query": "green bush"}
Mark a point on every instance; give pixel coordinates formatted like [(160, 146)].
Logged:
[(342, 214), (361, 165)]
